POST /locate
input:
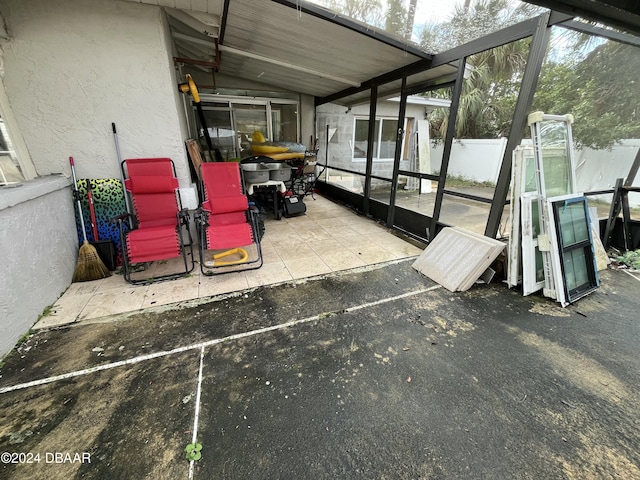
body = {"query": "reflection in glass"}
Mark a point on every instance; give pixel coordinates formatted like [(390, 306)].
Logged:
[(388, 139), (249, 119), (575, 266), (535, 218), (530, 179), (573, 224), (223, 136), (348, 181), (556, 158), (10, 170), (574, 246), (539, 265), (284, 121)]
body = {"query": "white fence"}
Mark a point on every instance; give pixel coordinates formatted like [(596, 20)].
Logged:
[(479, 160)]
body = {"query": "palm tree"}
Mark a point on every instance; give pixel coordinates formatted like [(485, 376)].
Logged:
[(411, 17), (491, 73)]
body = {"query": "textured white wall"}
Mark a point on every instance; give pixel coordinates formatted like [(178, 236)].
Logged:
[(40, 247), (70, 69), (74, 66)]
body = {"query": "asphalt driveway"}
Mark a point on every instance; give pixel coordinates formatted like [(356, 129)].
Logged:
[(373, 374)]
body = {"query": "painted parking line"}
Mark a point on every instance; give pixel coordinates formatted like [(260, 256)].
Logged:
[(197, 412), (201, 345), (631, 274)]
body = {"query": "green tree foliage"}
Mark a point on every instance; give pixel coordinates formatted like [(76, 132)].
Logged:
[(367, 11), (396, 21), (473, 20), (597, 82), (490, 89), (393, 16), (601, 90)]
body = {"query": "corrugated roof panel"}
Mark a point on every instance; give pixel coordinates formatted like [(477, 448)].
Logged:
[(207, 6), (294, 50), (282, 77), (441, 73), (286, 35)]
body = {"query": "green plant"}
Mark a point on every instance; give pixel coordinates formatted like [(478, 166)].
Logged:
[(462, 181), (631, 259), (24, 338), (194, 451), (45, 313)]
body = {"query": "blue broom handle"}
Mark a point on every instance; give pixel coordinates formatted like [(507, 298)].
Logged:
[(75, 189)]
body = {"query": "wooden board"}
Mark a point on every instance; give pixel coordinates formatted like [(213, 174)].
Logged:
[(194, 154), (456, 258)]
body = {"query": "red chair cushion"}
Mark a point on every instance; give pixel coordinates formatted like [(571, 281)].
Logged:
[(217, 205), (227, 218), (229, 236), (154, 243), (155, 209), (151, 184), (221, 179)]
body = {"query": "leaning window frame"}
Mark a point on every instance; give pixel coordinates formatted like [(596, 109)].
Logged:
[(559, 250)]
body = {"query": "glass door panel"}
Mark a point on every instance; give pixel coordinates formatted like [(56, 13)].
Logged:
[(247, 119), (284, 121), (223, 136)]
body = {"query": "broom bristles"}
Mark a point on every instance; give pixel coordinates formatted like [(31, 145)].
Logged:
[(89, 266)]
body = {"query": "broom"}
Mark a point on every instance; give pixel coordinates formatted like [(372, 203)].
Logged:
[(89, 266)]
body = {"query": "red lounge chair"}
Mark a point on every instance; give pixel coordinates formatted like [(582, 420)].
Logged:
[(155, 231), (226, 222)]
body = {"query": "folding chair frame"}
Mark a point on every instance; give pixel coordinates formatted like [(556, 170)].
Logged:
[(201, 219), (127, 223)]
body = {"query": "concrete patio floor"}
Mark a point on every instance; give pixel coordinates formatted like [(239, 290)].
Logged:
[(328, 238), (369, 373)]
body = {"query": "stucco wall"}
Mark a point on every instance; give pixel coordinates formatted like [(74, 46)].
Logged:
[(39, 247), (70, 69), (74, 66)]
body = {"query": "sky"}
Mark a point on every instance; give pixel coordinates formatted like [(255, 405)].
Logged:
[(426, 10), (434, 11)]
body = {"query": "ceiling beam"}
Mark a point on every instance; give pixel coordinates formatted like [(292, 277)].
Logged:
[(195, 40), (193, 50), (624, 14), (210, 29), (343, 21), (280, 63)]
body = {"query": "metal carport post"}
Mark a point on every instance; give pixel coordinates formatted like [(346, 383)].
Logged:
[(537, 52), (448, 141)]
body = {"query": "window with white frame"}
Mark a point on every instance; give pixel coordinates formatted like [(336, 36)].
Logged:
[(15, 163), (384, 138)]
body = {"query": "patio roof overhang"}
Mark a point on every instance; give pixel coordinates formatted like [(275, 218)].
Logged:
[(623, 14), (292, 46), (300, 47)]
